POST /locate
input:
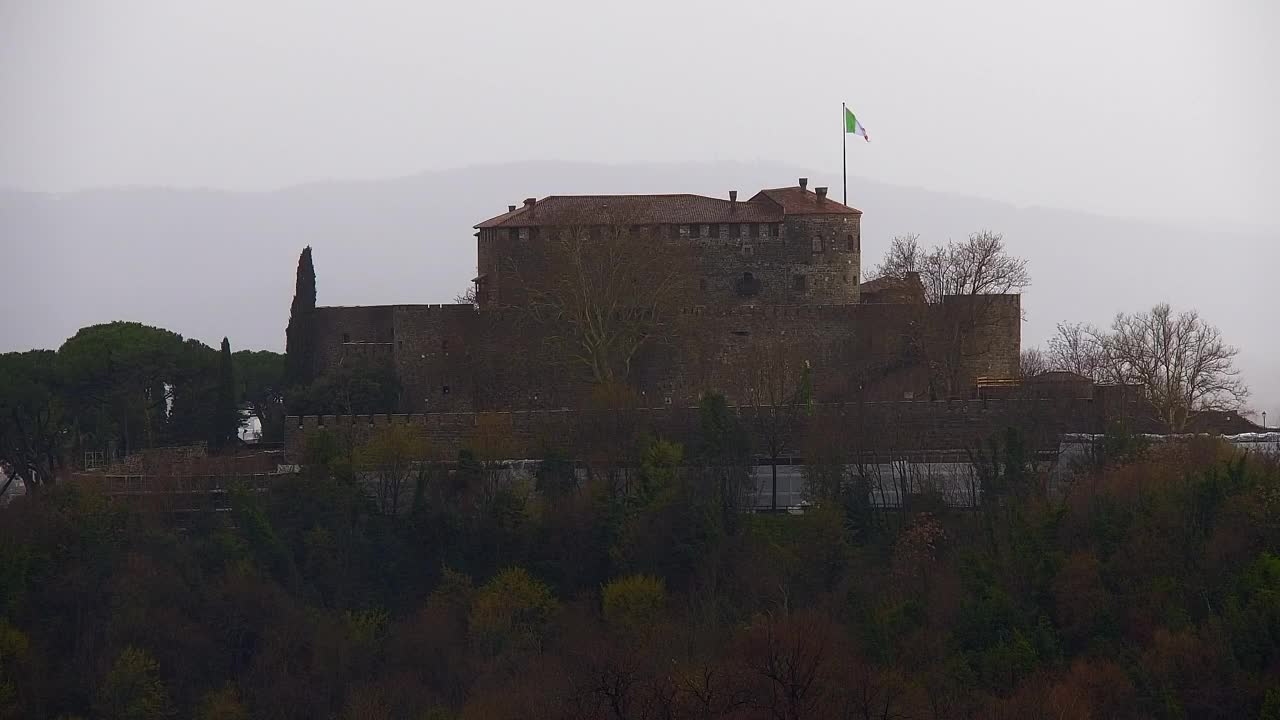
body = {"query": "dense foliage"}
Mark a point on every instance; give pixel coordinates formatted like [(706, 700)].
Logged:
[(1150, 587), (119, 387), (300, 333)]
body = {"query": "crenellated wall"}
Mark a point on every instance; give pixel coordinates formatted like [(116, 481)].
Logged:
[(900, 428), (452, 358)]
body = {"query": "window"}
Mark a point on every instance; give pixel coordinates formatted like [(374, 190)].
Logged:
[(775, 229), (853, 246), (735, 231), (346, 337), (800, 283), (693, 230), (444, 389), (748, 250), (755, 230), (748, 285), (715, 230), (444, 345), (817, 243), (513, 233)]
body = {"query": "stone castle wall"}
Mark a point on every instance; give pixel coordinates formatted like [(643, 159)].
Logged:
[(452, 358), (808, 259), (872, 429)]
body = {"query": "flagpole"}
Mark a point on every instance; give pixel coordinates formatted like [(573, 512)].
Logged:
[(844, 152)]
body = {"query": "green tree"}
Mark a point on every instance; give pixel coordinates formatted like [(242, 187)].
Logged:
[(193, 395), (392, 458), (222, 704), (33, 427), (133, 690), (511, 613), (300, 334), (635, 602), (226, 420), (118, 379), (724, 453), (360, 387), (260, 385), (14, 650)]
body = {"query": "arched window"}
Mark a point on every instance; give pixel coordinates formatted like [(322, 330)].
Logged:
[(817, 243), (852, 245)]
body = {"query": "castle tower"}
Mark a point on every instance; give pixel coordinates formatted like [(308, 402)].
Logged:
[(784, 246)]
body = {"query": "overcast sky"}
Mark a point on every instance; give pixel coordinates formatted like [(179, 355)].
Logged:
[(1148, 109)]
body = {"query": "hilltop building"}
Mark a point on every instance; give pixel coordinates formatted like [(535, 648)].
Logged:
[(781, 267)]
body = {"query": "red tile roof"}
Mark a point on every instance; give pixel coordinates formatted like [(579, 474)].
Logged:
[(799, 201), (768, 206), (636, 210)]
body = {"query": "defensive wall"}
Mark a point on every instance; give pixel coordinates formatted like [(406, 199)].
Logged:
[(455, 358), (879, 429)]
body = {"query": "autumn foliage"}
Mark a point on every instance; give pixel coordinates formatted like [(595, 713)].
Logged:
[(1148, 587)]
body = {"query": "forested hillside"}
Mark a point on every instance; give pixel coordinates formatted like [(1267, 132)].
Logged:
[(1150, 587)]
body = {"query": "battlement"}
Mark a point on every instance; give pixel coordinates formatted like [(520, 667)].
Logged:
[(872, 426)]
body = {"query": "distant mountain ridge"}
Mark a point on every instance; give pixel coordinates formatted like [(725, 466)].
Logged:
[(209, 263)]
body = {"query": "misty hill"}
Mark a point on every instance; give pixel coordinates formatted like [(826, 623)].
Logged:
[(211, 263)]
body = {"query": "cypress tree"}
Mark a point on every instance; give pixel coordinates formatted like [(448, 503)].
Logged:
[(299, 348), (226, 422)]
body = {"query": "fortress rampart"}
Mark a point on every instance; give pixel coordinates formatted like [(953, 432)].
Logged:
[(879, 429)]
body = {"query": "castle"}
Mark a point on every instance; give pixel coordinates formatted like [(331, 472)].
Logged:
[(781, 268)]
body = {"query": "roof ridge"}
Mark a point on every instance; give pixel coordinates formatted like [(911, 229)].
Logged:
[(612, 195)]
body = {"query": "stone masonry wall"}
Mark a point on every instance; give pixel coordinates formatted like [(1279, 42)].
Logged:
[(452, 358), (809, 259), (872, 429)]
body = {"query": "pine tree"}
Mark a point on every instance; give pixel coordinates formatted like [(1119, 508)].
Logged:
[(226, 424), (299, 336)]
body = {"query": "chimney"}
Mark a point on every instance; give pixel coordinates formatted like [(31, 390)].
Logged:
[(822, 194), (511, 208), (528, 204), (733, 200), (804, 183)]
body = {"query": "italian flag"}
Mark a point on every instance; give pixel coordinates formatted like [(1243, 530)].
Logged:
[(851, 125)]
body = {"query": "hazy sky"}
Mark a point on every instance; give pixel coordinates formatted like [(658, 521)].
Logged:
[(1152, 109)]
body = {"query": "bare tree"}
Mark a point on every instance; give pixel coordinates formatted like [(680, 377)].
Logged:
[(777, 397), (470, 296), (1180, 361), (1081, 349), (903, 256), (1032, 362), (604, 289), (963, 282), (978, 266), (390, 462)]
